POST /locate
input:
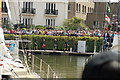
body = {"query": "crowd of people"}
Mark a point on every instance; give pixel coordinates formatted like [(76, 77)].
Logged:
[(76, 33), (108, 35)]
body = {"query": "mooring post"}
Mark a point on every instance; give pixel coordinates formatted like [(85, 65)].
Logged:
[(95, 46), (48, 72), (33, 62), (40, 65)]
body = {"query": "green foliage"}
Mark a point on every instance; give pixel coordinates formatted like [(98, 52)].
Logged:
[(39, 27), (59, 28), (49, 41), (74, 23), (23, 28), (9, 36)]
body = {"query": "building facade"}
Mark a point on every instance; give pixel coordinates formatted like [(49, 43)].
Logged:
[(97, 18), (54, 12), (37, 12), (80, 8), (45, 12)]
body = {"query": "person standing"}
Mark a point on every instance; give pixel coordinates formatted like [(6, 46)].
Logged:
[(35, 45), (43, 45), (106, 40), (55, 44), (66, 45)]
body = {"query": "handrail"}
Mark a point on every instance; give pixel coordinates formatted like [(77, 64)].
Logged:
[(50, 73), (29, 71), (26, 64)]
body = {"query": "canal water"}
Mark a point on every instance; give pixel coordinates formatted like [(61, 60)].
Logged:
[(65, 66)]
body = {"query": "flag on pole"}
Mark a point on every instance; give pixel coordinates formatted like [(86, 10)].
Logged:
[(107, 18), (108, 7)]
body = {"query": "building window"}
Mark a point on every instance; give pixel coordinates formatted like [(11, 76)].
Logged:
[(103, 24), (79, 7), (88, 9), (27, 21), (96, 24), (50, 22), (83, 9), (4, 7), (51, 8), (69, 7), (5, 20), (28, 6)]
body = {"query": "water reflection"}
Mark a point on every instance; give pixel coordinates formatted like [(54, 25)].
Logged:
[(65, 66)]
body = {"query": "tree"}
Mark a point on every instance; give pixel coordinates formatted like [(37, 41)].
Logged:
[(59, 28), (74, 23), (39, 27)]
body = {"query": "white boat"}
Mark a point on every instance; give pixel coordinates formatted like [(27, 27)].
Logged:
[(10, 64)]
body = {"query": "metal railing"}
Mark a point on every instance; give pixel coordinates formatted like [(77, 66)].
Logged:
[(29, 10), (51, 12), (4, 10), (44, 69)]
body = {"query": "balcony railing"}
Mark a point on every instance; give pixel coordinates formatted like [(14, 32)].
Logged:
[(51, 12), (29, 10), (4, 10)]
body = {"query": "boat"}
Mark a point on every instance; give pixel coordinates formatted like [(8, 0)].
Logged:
[(10, 64)]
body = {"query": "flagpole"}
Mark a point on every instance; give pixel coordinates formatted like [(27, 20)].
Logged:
[(107, 10), (105, 15)]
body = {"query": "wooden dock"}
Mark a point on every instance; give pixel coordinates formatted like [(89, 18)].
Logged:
[(58, 52)]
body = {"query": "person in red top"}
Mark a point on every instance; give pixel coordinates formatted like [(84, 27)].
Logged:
[(43, 44)]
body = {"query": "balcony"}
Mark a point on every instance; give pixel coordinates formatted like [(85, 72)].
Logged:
[(4, 10), (29, 10), (51, 12)]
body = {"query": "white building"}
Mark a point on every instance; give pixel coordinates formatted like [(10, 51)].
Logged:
[(37, 12)]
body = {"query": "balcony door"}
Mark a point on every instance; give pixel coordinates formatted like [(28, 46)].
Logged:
[(50, 22), (4, 7), (27, 21), (27, 6), (50, 7)]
